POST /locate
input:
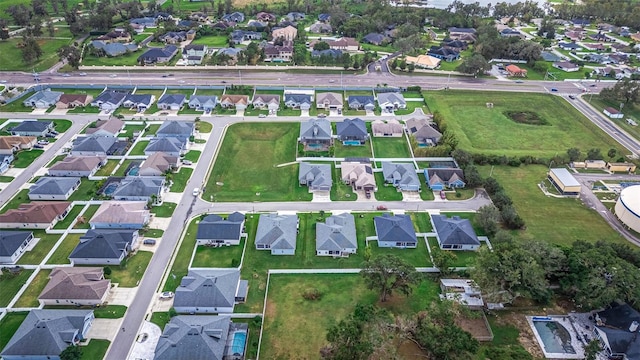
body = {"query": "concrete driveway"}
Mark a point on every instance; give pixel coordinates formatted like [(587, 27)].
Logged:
[(121, 296), (161, 305), (105, 329), (145, 346), (411, 196), (321, 196)]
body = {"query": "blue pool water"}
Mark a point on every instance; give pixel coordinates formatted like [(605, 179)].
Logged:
[(554, 336), (351, 143), (239, 340), (134, 171), (315, 146), (110, 189)]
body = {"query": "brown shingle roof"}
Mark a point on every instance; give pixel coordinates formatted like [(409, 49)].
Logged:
[(10, 142), (76, 283), (236, 99), (71, 98), (37, 212), (112, 125), (78, 163), (159, 161)]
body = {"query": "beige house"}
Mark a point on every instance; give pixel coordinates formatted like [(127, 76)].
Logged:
[(75, 286), (239, 102), (287, 33), (358, 175), (71, 101), (157, 164), (329, 100), (110, 127), (121, 215), (392, 128), (35, 215), (423, 61), (11, 144), (344, 44)]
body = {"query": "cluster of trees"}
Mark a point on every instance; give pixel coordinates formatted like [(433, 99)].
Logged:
[(575, 154), (624, 91), (617, 12), (461, 14), (448, 142), (503, 202)]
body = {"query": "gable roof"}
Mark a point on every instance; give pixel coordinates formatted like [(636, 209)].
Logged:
[(75, 98), (11, 142), (208, 288), (361, 99), (110, 96), (139, 99), (194, 337), (211, 100), (422, 129), (164, 144), (76, 283), (443, 174), (101, 243), (93, 143), (277, 231), (139, 186), (118, 212), (235, 99), (159, 161), (338, 232), (315, 175), (267, 98), (334, 53), (375, 38), (31, 126), (395, 228), (361, 174), (352, 127), (214, 227), (153, 54), (35, 212), (315, 129), (46, 95), (298, 98), (170, 99), (10, 241), (48, 185), (454, 230), (391, 97), (329, 97), (400, 173), (111, 126), (616, 322), (175, 128), (47, 332)]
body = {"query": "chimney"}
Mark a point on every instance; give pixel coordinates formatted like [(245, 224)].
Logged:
[(634, 326)]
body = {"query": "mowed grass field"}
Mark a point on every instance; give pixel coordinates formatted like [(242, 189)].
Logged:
[(246, 168), (489, 131), (11, 55)]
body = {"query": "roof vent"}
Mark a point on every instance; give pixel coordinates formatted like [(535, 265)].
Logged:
[(634, 326)]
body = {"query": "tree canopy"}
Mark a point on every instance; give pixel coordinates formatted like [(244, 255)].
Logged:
[(388, 273)]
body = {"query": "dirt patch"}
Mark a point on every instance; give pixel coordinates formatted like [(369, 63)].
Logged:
[(408, 350), (526, 117), (475, 326), (526, 338), (270, 311)]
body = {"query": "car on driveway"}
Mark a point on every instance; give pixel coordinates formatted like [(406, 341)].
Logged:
[(166, 295), (149, 242), (593, 85)]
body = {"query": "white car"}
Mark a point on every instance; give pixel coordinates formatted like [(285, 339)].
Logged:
[(83, 74), (262, 116), (196, 191), (166, 295)]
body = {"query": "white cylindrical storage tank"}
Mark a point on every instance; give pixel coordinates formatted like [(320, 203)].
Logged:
[(628, 207)]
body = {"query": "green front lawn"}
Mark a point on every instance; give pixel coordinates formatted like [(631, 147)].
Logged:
[(125, 59), (107, 169), (9, 325), (160, 318), (130, 129), (288, 112), (214, 41), (165, 210), (11, 284), (192, 155), (153, 233), (21, 197), (56, 159), (95, 349), (218, 257), (386, 192), (61, 255), (84, 110), (180, 179), (182, 258), (24, 158), (45, 244), (30, 297), (139, 147), (6, 179), (340, 191), (204, 127), (384, 147), (246, 168), (71, 216), (17, 105), (130, 272)]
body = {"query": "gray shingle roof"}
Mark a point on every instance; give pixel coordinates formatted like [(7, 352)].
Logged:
[(46, 332), (337, 233), (138, 99), (352, 128), (208, 288), (315, 129), (31, 126), (200, 337), (10, 241), (53, 185), (168, 145), (402, 174), (76, 283), (454, 230), (93, 143), (154, 54), (175, 128), (361, 99), (100, 243), (316, 176), (391, 98), (139, 186), (395, 228), (203, 100), (214, 227), (48, 96), (298, 98), (171, 99), (113, 97), (277, 231)]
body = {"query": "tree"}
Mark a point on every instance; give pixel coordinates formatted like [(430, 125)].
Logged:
[(71, 54), (321, 45), (51, 29), (474, 179), (443, 260), (594, 154), (612, 153), (626, 90), (475, 65), (71, 353), (20, 14), (348, 339), (487, 217), (387, 273), (592, 349), (31, 51), (107, 271), (4, 31), (574, 154)]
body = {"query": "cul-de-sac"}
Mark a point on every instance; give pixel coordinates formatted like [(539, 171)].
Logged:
[(313, 179)]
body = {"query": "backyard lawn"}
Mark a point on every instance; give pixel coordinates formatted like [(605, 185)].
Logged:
[(21, 197), (95, 349), (37, 254), (11, 284), (180, 179), (30, 297), (363, 151), (246, 168), (123, 168), (86, 190), (218, 257), (129, 273), (108, 168), (130, 129), (558, 125), (86, 217), (9, 325), (61, 255), (71, 216), (151, 129), (24, 158), (212, 41), (391, 147), (138, 149)]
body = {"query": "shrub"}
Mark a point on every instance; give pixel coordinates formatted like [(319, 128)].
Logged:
[(107, 270), (235, 262), (312, 294)]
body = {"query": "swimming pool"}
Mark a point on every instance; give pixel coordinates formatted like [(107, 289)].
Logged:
[(351, 143), (315, 146), (238, 342), (109, 190), (133, 171), (554, 336)]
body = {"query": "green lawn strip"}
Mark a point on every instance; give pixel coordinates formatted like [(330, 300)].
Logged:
[(411, 107), (180, 179), (182, 258), (165, 210), (125, 59), (490, 131), (129, 273), (80, 91), (56, 159), (61, 125), (86, 190), (87, 215), (45, 244), (460, 194), (363, 151), (17, 105), (421, 222), (288, 112), (160, 318), (139, 147), (100, 312), (218, 257), (95, 349), (192, 155), (123, 168), (386, 192), (151, 129), (130, 129), (251, 111), (107, 169), (22, 197), (6, 179), (288, 335), (30, 297), (391, 147), (540, 212), (85, 110), (217, 92), (61, 255), (72, 215), (153, 233), (246, 168), (215, 41), (463, 258), (11, 284), (204, 127), (339, 190), (25, 158), (9, 325)]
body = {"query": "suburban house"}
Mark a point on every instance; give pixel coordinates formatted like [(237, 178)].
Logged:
[(509, 32), (213, 230), (316, 134), (236, 17), (104, 247), (317, 177), (514, 70), (158, 164), (109, 100), (401, 175), (391, 128), (177, 129), (277, 233), (5, 162), (78, 286), (358, 175), (265, 16), (375, 39), (320, 28), (121, 215), (205, 291), (613, 113), (157, 55), (344, 44), (395, 231), (295, 16), (423, 61), (575, 35), (456, 33), (352, 131), (13, 144), (455, 233), (329, 101), (463, 291), (13, 244), (238, 102), (44, 334), (168, 145), (423, 132), (176, 37), (117, 35), (113, 49), (231, 54), (327, 53), (238, 36), (194, 53), (566, 66), (139, 102), (201, 337), (139, 188), (391, 101), (72, 101), (267, 101), (336, 236), (110, 127), (53, 188), (616, 330), (569, 46), (147, 22), (443, 53), (298, 101), (288, 33), (171, 101), (35, 215), (203, 102), (32, 128), (324, 17), (594, 47), (92, 145), (457, 45), (278, 53), (361, 102), (43, 99), (442, 178)]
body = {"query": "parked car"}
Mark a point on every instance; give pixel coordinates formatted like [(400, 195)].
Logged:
[(262, 116), (43, 142), (196, 191), (187, 162), (49, 135), (83, 74), (443, 195), (149, 242), (38, 146), (381, 207), (367, 194), (66, 75), (322, 115), (166, 295)]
